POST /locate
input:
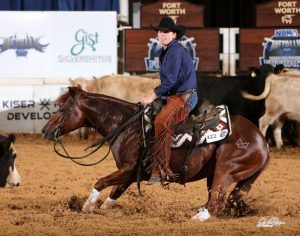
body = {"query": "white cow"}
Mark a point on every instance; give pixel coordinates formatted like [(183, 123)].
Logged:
[(282, 94)]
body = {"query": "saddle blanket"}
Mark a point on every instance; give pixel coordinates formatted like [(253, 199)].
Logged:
[(221, 131)]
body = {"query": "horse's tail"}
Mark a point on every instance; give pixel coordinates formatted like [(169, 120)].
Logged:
[(264, 93)]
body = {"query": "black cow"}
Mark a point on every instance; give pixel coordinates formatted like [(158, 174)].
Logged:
[(227, 90), (9, 176)]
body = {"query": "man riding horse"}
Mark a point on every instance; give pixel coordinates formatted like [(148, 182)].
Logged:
[(178, 87)]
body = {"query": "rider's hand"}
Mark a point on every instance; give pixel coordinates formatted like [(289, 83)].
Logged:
[(146, 100)]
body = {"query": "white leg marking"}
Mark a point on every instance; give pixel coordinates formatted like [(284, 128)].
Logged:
[(202, 214), (89, 204), (108, 203)]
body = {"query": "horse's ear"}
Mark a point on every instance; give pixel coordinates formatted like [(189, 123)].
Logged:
[(12, 137), (79, 86), (72, 82), (72, 91), (94, 77)]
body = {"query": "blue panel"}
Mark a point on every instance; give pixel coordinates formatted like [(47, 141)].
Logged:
[(70, 5), (103, 5), (4, 5), (15, 5), (60, 5), (38, 5)]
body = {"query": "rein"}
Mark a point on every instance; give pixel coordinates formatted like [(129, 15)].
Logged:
[(119, 129), (100, 142), (67, 156)]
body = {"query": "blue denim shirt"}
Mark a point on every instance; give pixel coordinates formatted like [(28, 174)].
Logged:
[(177, 72)]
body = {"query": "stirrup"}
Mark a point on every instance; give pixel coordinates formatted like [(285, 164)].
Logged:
[(173, 177), (157, 178), (154, 180)]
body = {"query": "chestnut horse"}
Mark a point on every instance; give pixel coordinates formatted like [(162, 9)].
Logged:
[(239, 158)]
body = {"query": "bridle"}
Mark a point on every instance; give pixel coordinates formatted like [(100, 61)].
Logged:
[(98, 144), (58, 141)]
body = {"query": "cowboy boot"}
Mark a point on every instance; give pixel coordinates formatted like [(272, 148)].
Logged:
[(157, 175), (162, 171)]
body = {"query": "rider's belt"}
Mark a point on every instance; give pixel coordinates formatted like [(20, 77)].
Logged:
[(193, 90), (189, 91)]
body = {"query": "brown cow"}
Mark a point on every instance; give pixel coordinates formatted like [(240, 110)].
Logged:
[(282, 94), (128, 88)]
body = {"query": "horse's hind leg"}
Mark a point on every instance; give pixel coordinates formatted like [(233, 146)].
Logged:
[(235, 200), (115, 193), (217, 197)]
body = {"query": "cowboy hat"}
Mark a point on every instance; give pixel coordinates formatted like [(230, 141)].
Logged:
[(166, 23)]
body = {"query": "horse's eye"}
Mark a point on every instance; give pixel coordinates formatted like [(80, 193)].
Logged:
[(61, 109)]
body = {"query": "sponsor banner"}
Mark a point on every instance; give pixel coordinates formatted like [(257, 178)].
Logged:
[(87, 44), (25, 44), (26, 109), (182, 12), (269, 46), (58, 44), (144, 56), (282, 48), (155, 48), (278, 13)]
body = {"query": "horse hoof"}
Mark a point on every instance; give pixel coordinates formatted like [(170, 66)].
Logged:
[(202, 214), (105, 206), (108, 204), (88, 207)]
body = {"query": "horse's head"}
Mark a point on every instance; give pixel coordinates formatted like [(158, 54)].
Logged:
[(68, 117)]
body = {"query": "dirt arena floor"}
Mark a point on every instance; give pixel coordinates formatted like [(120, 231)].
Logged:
[(45, 202)]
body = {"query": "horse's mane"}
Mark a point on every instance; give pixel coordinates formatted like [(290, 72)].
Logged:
[(62, 98), (106, 97), (76, 90)]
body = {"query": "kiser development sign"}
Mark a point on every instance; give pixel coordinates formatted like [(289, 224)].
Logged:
[(26, 109)]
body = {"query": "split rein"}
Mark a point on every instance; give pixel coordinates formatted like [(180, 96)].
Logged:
[(98, 144)]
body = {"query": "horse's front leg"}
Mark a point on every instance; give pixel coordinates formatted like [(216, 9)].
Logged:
[(120, 177), (115, 193)]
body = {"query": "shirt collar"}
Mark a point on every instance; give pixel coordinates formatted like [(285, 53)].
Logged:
[(170, 44)]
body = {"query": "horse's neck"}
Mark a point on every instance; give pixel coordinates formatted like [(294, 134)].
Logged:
[(106, 114)]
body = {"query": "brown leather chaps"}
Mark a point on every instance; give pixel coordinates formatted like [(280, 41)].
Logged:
[(175, 111)]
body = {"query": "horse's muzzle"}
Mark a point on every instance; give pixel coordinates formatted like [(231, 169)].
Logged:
[(53, 136)]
